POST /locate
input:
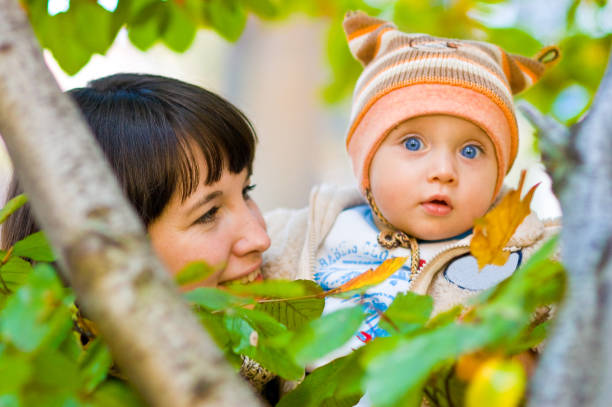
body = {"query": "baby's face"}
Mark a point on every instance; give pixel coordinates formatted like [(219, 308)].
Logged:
[(434, 175)]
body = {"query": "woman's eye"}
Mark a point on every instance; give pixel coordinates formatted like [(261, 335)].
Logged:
[(413, 144), (209, 216), (246, 191), (470, 151)]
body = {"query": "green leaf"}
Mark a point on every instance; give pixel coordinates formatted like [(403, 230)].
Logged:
[(276, 288), (94, 365), (54, 372), (15, 371), (38, 313), (35, 247), (275, 360), (323, 335), (532, 338), (194, 272), (401, 370), (320, 385), (245, 340), (227, 17), (350, 379), (344, 402), (215, 325), (93, 26), (446, 317), (15, 272), (9, 400), (294, 314), (263, 323), (266, 9), (408, 312), (145, 25), (445, 388), (72, 346), (58, 34), (180, 30), (11, 206), (55, 381), (215, 299), (240, 333), (114, 393)]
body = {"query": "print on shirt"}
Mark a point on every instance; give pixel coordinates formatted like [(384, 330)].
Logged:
[(351, 248)]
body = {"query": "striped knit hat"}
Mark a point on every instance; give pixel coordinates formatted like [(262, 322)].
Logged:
[(411, 75)]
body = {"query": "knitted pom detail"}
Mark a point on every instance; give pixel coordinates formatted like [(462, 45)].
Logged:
[(525, 72), (549, 56), (363, 34)]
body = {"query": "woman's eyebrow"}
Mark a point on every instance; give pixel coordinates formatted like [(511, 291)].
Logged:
[(203, 201)]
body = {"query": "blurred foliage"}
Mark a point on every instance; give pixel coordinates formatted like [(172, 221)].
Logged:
[(583, 31), (466, 356), (44, 359)]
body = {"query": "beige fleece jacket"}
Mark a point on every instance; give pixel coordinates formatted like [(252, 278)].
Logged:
[(296, 236)]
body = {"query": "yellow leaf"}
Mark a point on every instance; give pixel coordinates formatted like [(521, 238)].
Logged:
[(371, 277), (468, 365), (493, 231), (497, 382)]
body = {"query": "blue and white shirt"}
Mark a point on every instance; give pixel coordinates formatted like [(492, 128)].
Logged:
[(351, 248)]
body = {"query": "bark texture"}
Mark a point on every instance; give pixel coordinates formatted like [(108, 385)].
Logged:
[(576, 367), (155, 339)]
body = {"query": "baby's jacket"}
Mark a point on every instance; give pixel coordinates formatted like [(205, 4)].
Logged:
[(297, 236)]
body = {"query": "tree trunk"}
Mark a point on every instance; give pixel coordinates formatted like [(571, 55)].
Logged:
[(576, 367), (155, 339)]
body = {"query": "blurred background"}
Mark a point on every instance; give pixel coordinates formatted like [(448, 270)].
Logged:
[(285, 63)]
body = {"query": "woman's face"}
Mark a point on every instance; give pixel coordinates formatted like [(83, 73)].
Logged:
[(217, 223)]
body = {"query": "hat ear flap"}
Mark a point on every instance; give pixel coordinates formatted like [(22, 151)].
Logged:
[(363, 34), (522, 72)]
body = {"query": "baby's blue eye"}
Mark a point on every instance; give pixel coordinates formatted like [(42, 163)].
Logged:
[(413, 144), (469, 151)]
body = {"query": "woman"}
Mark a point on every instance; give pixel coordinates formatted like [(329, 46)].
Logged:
[(183, 157)]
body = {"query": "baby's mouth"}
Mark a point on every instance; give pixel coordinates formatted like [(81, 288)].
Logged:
[(437, 206)]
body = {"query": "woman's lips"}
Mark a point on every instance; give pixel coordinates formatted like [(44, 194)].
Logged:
[(437, 206)]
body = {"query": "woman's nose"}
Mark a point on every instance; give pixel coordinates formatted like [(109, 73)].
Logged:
[(252, 233)]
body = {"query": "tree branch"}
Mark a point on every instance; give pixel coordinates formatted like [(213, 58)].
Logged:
[(576, 368), (553, 141), (156, 340)]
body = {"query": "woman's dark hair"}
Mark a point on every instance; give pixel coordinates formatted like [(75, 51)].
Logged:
[(149, 127)]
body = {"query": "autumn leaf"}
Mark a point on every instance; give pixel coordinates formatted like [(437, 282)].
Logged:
[(493, 231), (468, 365), (371, 277), (497, 382)]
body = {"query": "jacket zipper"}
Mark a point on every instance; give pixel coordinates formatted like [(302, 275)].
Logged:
[(424, 278)]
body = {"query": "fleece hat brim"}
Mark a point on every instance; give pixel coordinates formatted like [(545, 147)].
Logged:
[(403, 103)]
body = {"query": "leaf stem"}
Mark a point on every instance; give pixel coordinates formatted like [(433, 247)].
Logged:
[(305, 297), (7, 255)]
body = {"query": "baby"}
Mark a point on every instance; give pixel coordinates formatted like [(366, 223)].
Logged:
[(432, 135)]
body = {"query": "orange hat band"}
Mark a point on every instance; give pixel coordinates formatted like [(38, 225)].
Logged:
[(406, 102)]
